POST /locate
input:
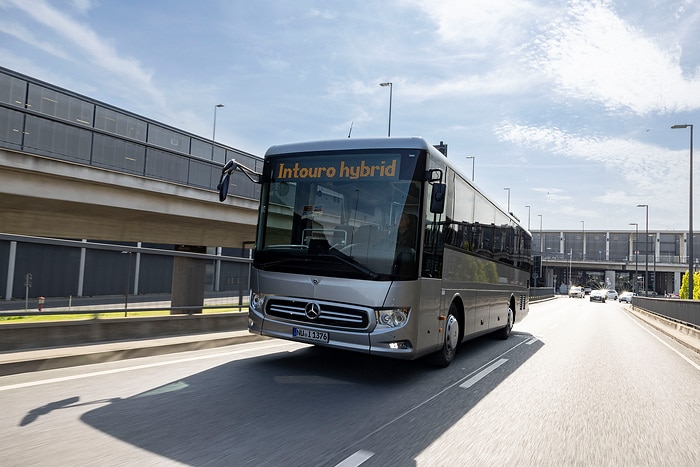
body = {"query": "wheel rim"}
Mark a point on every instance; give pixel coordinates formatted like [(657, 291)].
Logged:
[(451, 334), (509, 325)]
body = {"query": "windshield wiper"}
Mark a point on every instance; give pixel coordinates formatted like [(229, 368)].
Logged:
[(351, 262)]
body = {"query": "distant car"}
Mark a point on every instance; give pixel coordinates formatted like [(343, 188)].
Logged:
[(598, 296), (626, 297), (576, 292), (611, 294), (587, 290)]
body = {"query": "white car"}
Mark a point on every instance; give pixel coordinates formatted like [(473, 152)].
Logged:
[(626, 297), (611, 294), (576, 292)]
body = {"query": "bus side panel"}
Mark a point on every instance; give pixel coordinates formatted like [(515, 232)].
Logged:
[(429, 311)]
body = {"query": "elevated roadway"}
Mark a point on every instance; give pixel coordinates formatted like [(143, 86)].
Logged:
[(47, 197)]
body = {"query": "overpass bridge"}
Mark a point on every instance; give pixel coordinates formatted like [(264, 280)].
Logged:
[(75, 168)]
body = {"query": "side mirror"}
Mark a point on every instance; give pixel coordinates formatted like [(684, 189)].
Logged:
[(437, 199), (223, 185), (229, 167)]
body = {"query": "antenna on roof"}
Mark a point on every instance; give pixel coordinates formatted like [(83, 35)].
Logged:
[(350, 129)]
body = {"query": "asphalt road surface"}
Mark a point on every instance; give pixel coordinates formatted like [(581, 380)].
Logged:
[(578, 383)]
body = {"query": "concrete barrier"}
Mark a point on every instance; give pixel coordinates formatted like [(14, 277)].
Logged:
[(24, 336)]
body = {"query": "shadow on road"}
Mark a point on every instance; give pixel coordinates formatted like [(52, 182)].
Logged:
[(314, 406)]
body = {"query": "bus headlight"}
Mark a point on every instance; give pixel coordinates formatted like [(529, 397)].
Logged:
[(257, 302), (393, 318)]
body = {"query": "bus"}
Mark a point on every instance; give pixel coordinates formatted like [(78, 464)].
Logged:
[(381, 246)]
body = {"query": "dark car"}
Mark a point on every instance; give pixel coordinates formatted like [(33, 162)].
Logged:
[(598, 296)]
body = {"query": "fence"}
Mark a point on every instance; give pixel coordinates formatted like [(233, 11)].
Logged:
[(685, 311)]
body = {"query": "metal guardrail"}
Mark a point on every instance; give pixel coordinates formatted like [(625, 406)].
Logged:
[(684, 311), (96, 311)]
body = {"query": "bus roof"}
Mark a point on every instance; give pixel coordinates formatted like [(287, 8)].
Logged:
[(351, 143)]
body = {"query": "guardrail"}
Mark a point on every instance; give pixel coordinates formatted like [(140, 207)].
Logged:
[(24, 336), (684, 311)]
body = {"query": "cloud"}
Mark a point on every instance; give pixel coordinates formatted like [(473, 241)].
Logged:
[(87, 41), (20, 32), (592, 54), (641, 167), (482, 23)]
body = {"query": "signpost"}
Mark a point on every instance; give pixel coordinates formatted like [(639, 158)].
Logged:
[(27, 285)]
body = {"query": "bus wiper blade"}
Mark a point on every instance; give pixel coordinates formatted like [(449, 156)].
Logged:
[(351, 262)]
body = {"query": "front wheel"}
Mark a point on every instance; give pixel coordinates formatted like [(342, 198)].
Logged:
[(443, 357), (504, 332)]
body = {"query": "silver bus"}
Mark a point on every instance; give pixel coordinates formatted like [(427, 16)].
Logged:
[(381, 246)]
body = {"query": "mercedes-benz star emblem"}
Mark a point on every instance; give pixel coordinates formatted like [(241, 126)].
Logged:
[(312, 310)]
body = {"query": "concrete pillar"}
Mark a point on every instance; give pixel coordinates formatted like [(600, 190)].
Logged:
[(81, 270), (189, 275), (137, 270), (11, 270), (677, 278)]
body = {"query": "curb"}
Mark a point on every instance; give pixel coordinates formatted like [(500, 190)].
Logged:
[(686, 335), (12, 363)]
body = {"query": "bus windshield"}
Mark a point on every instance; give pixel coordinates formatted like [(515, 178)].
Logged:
[(347, 214)]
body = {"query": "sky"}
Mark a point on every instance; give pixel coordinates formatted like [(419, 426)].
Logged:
[(563, 106)]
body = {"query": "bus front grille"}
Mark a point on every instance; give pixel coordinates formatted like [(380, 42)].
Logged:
[(329, 314)]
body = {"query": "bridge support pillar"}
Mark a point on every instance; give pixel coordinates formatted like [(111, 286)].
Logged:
[(189, 275)]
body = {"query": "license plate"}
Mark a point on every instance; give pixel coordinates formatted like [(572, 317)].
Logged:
[(310, 335)]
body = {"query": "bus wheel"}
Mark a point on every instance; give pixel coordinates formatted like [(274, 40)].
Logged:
[(503, 333), (443, 357)]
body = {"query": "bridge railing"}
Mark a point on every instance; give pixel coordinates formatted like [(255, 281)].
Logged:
[(685, 311), (42, 119)]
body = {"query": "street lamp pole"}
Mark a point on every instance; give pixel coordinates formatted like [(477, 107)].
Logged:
[(391, 92), (508, 198), (583, 240), (473, 160), (528, 217), (541, 237), (213, 131), (571, 252), (636, 256), (646, 250), (690, 214)]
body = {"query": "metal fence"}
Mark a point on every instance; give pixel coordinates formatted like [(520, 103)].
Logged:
[(685, 311)]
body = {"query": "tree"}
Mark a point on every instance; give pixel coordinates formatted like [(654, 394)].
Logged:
[(696, 286)]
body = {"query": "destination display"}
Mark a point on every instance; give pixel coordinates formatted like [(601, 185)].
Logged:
[(345, 168)]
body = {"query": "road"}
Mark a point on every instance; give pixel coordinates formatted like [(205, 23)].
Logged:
[(578, 383)]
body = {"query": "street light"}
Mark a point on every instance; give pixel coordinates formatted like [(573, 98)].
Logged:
[(528, 217), (391, 91), (690, 213), (571, 252), (473, 160), (508, 198), (636, 255), (213, 132), (646, 250), (583, 240), (541, 238)]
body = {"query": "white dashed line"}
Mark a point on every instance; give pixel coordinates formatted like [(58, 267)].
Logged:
[(356, 459), (480, 375)]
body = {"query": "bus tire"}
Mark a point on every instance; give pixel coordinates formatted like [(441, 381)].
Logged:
[(443, 357), (505, 331)]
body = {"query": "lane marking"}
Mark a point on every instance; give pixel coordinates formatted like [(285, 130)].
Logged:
[(531, 341), (636, 321), (356, 459), (480, 375), (428, 400), (137, 367)]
